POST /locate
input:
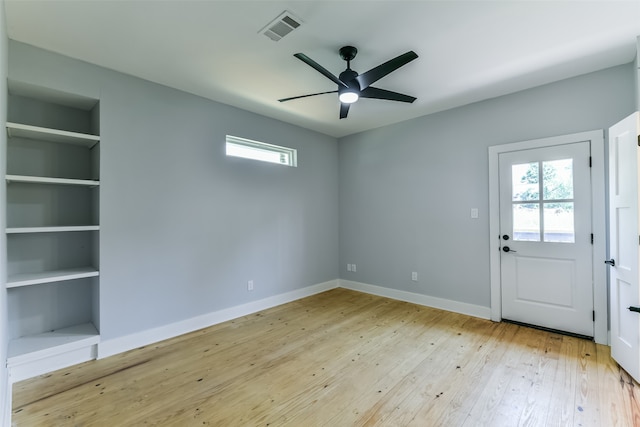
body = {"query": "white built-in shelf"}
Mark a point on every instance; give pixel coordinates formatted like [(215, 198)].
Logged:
[(20, 230), (36, 347), (18, 130), (54, 181), (27, 279)]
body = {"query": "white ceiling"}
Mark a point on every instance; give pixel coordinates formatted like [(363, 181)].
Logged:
[(468, 50)]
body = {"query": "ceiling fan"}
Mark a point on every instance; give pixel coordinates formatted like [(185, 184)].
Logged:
[(352, 85)]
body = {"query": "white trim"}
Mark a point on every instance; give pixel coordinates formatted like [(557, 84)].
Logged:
[(420, 299), (129, 342), (237, 147), (601, 233), (598, 222), (52, 362), (5, 418)]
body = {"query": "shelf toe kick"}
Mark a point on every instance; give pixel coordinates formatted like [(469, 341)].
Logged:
[(38, 354)]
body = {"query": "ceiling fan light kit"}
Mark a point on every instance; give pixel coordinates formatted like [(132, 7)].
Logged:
[(348, 97), (353, 86)]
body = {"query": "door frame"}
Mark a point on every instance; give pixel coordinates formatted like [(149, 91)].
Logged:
[(598, 222)]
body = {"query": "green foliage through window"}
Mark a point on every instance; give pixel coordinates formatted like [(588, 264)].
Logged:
[(557, 182)]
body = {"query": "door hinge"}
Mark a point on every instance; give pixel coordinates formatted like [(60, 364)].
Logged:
[(590, 161), (638, 140), (592, 238), (593, 315)]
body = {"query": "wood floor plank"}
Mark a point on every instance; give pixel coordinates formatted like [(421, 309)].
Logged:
[(342, 358), (482, 363), (380, 363), (618, 395), (587, 410), (427, 383), (492, 393), (509, 411), (562, 398), (538, 398), (463, 364), (389, 366)]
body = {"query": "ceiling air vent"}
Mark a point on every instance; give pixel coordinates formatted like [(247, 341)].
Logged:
[(281, 26)]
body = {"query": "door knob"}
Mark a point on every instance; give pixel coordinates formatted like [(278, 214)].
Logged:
[(611, 262), (508, 249), (505, 237), (636, 309)]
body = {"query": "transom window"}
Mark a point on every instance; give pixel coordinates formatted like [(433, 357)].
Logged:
[(542, 201), (261, 151)]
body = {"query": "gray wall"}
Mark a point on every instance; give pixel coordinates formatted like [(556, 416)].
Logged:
[(4, 335), (183, 227), (406, 190)]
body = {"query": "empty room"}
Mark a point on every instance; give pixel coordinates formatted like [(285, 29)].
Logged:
[(319, 213)]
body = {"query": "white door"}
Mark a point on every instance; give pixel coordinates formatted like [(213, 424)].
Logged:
[(624, 240), (546, 240)]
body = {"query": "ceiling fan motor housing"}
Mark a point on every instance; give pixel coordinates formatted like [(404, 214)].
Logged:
[(348, 77)]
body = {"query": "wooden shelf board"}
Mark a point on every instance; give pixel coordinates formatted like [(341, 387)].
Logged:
[(34, 347), (55, 181), (20, 230), (19, 130), (27, 279)]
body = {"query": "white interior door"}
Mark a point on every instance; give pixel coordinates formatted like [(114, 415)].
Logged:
[(624, 241), (546, 246)]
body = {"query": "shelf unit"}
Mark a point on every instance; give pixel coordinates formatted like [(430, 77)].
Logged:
[(26, 279), (53, 181), (61, 229), (19, 130)]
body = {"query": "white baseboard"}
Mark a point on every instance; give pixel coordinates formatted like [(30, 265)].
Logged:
[(129, 342), (5, 415), (429, 301)]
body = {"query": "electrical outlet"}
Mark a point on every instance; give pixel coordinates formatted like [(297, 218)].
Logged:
[(414, 276), (348, 267), (250, 285), (353, 268)]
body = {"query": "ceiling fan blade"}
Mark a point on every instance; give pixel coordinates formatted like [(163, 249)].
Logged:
[(313, 64), (304, 96), (373, 75), (374, 92), (344, 110)]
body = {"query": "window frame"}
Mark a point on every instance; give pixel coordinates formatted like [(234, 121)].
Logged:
[(291, 153)]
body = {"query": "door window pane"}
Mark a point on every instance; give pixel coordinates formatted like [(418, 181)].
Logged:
[(558, 222), (525, 182), (557, 179), (526, 222)]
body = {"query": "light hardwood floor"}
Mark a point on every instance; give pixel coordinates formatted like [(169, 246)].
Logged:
[(342, 358)]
